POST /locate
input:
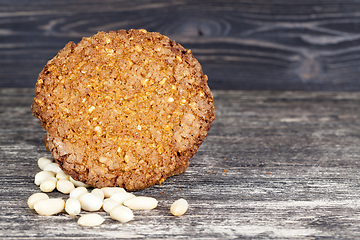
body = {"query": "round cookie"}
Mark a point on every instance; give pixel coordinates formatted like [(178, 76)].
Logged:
[(124, 108)]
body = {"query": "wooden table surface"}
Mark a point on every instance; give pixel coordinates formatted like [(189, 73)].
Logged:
[(279, 165)]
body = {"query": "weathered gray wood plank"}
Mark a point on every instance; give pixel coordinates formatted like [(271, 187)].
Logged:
[(292, 172), (246, 45)]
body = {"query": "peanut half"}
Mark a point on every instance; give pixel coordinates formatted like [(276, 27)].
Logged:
[(50, 206), (90, 220), (141, 203), (179, 207)]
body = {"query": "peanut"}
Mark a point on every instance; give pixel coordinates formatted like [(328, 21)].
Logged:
[(48, 207), (109, 204), (72, 206), (36, 197), (179, 207), (121, 213), (48, 185), (109, 191), (65, 186), (90, 220), (120, 197), (75, 193), (90, 202), (43, 161), (141, 203), (42, 176)]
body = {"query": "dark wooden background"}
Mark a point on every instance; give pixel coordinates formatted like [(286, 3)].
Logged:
[(242, 44)]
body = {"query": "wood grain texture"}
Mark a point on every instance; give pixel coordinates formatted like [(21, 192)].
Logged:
[(242, 44), (292, 172)]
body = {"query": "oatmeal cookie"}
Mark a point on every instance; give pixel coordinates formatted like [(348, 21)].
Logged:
[(123, 108)]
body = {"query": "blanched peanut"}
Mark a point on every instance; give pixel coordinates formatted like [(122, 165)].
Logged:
[(42, 176), (109, 191), (90, 220), (90, 202), (179, 207), (62, 176), (78, 183), (72, 206), (141, 203), (48, 185), (52, 167), (98, 192), (121, 213), (65, 186), (109, 204), (36, 197), (120, 197), (75, 193), (43, 161), (50, 206)]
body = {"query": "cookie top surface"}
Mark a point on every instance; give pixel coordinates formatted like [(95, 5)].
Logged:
[(124, 108)]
